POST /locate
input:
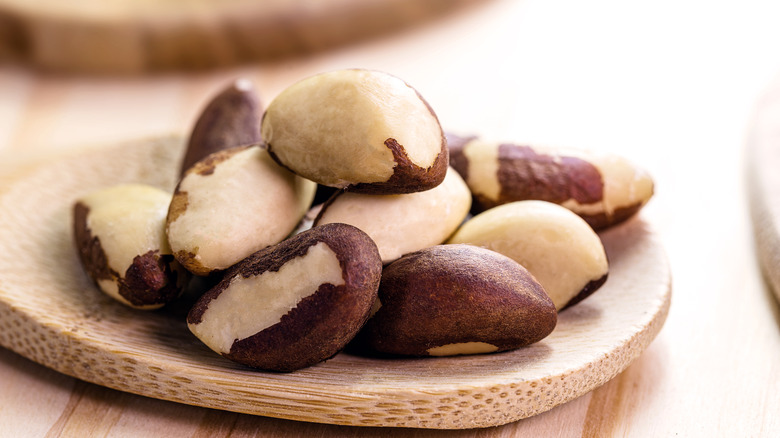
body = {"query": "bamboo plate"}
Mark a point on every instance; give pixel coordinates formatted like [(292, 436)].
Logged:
[(52, 314), (763, 161)]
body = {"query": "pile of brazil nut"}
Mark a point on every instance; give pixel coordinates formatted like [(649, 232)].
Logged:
[(342, 213)]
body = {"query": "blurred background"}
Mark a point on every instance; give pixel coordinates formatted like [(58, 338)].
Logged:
[(673, 85)]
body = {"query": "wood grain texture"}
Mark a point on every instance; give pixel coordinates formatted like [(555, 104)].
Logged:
[(91, 36), (51, 313), (763, 173)]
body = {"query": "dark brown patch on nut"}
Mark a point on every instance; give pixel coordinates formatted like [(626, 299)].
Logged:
[(150, 280), (178, 205), (408, 177), (587, 291), (189, 259), (91, 253), (458, 160), (601, 221), (232, 118), (207, 165), (524, 174)]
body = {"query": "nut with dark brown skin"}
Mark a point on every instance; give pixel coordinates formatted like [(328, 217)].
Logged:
[(400, 224), (231, 204), (231, 118), (603, 189), (294, 304), (556, 246), (457, 299), (120, 237), (363, 130)]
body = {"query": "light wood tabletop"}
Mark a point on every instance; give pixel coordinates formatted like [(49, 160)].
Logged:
[(671, 85)]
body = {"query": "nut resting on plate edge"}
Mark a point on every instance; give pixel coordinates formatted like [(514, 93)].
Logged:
[(120, 237), (448, 300)]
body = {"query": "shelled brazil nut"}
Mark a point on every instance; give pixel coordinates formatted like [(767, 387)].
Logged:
[(119, 232), (400, 224), (556, 246), (294, 304), (231, 118), (231, 204), (603, 189), (448, 300), (359, 129)]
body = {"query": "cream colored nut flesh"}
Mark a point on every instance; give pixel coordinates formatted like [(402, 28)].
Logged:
[(293, 304), (603, 189), (449, 300), (400, 224), (231, 204), (362, 129), (120, 235), (556, 246)]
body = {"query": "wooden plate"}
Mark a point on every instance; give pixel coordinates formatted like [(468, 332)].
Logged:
[(52, 314), (130, 36), (763, 180)]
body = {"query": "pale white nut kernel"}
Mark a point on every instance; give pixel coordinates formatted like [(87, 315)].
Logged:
[(556, 246), (357, 128), (231, 204), (400, 224)]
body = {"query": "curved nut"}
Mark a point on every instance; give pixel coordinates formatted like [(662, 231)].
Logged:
[(231, 118), (120, 236), (602, 189), (556, 246), (231, 204), (400, 224), (360, 129), (294, 304), (457, 299)]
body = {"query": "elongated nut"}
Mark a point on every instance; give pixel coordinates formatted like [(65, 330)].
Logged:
[(400, 224), (294, 304), (231, 204), (556, 246), (120, 236), (231, 118), (360, 129), (457, 299), (603, 189)]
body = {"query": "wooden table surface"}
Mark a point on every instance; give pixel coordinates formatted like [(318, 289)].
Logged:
[(670, 84)]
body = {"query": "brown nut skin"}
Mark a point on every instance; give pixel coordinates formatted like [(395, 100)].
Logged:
[(231, 118), (365, 131), (602, 189), (333, 271), (457, 299), (119, 235)]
